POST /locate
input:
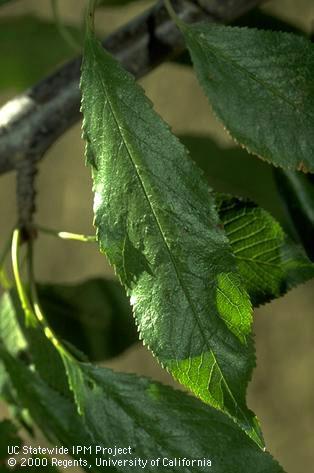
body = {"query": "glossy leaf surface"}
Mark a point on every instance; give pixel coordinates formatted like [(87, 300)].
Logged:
[(121, 409), (157, 223), (94, 317), (259, 88), (53, 409), (43, 355), (164, 423), (54, 414), (269, 261)]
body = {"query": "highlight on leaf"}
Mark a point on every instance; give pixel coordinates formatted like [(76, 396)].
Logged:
[(191, 262), (269, 261), (165, 241), (127, 403), (255, 81)]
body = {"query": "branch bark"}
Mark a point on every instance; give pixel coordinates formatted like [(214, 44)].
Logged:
[(32, 122)]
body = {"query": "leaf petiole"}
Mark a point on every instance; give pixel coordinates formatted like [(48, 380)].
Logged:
[(37, 309), (31, 306), (25, 302), (173, 15), (68, 235), (4, 280)]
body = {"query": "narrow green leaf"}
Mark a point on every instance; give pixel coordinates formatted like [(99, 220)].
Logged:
[(13, 338), (260, 84), (10, 330), (94, 316), (156, 221), (269, 261), (53, 409), (297, 192), (16, 344), (44, 356), (54, 414)]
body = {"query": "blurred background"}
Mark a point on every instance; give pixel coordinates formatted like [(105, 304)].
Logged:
[(282, 388)]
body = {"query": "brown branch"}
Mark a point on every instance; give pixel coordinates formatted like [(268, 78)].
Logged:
[(31, 123)]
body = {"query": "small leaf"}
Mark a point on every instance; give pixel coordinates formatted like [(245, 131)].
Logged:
[(157, 223), (269, 261), (260, 84), (297, 192)]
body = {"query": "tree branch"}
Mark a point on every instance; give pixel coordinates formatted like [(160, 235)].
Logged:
[(31, 122)]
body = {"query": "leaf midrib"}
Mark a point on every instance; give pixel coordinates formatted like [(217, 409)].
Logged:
[(244, 70), (155, 216), (166, 244)]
